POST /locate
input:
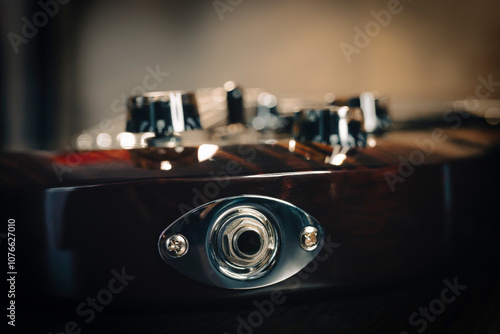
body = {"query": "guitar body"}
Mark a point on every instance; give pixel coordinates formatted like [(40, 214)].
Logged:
[(408, 207)]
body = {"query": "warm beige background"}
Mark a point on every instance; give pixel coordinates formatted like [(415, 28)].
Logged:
[(431, 51)]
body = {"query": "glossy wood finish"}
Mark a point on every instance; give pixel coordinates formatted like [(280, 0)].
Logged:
[(94, 167)]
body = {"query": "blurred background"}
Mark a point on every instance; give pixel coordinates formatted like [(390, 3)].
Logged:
[(69, 65)]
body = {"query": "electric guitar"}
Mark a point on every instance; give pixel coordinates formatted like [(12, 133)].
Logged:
[(257, 207)]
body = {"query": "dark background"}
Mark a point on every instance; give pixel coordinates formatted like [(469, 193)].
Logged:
[(91, 53)]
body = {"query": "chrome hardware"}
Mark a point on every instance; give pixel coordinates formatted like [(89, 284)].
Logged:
[(242, 242), (375, 111), (176, 245), (234, 101), (166, 114), (309, 238), (333, 125)]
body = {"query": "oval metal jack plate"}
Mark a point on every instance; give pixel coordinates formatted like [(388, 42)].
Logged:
[(242, 242)]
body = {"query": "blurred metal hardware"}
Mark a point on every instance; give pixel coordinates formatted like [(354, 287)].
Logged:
[(165, 114), (234, 101), (268, 117), (342, 126), (375, 111)]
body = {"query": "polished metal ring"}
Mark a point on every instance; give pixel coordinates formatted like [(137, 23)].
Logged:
[(243, 243)]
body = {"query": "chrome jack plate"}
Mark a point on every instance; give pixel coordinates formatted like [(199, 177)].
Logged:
[(242, 242)]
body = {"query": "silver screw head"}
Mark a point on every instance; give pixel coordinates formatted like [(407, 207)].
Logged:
[(176, 245), (309, 238)]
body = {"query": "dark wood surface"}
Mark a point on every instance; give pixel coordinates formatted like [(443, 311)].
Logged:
[(384, 309), (46, 169)]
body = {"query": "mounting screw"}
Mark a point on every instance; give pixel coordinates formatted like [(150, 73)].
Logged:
[(309, 238), (176, 245)]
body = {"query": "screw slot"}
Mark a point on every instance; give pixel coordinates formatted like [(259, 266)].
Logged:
[(309, 238), (176, 245)]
